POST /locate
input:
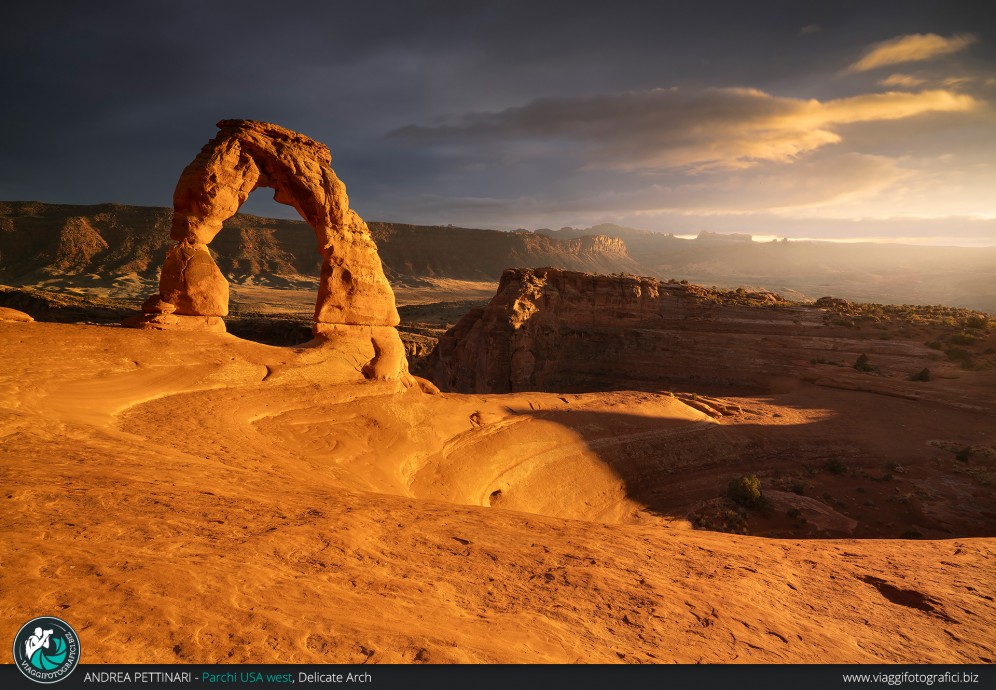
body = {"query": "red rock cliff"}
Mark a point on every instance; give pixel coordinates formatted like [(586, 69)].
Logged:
[(554, 330)]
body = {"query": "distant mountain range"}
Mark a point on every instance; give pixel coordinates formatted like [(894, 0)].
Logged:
[(112, 242), (864, 272)]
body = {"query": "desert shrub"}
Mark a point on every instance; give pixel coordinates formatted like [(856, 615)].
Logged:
[(746, 491), (798, 488), (835, 466), (959, 356), (911, 534), (923, 375), (963, 339), (962, 455), (719, 519), (793, 512), (861, 363), (976, 322)]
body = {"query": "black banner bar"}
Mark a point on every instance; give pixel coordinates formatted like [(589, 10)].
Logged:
[(578, 677)]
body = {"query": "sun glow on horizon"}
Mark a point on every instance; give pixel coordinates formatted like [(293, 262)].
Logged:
[(969, 242)]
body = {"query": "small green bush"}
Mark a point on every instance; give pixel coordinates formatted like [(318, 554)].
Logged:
[(793, 512), (976, 322), (963, 339), (746, 491), (960, 356), (962, 455), (835, 466), (861, 364), (923, 375)]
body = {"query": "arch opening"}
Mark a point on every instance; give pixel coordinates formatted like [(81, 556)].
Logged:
[(267, 253)]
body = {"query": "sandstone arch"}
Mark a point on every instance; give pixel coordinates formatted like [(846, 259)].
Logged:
[(354, 297)]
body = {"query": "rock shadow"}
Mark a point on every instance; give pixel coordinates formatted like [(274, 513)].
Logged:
[(840, 462)]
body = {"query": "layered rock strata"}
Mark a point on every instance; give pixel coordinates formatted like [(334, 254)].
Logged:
[(545, 329), (354, 297), (563, 331)]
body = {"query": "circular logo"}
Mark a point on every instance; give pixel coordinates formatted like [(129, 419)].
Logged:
[(46, 649)]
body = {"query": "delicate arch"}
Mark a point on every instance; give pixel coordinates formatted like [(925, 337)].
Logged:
[(353, 290)]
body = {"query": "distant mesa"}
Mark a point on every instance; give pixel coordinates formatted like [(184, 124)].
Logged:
[(354, 297), (605, 229), (832, 303), (91, 246), (725, 237)]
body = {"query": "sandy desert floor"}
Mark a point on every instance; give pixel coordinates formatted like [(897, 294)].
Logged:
[(185, 497)]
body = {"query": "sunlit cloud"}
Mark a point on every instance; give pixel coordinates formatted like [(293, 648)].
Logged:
[(893, 105), (771, 188), (955, 82), (704, 130), (907, 81), (910, 48)]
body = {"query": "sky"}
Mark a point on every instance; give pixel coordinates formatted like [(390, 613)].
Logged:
[(835, 120)]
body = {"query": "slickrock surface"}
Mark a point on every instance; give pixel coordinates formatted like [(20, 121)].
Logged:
[(192, 497), (8, 314)]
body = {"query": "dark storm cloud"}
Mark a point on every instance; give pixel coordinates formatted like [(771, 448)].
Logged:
[(108, 101), (665, 128)]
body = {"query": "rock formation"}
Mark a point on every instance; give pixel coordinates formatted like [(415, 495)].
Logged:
[(354, 297), (561, 331), (532, 333), (8, 314)]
